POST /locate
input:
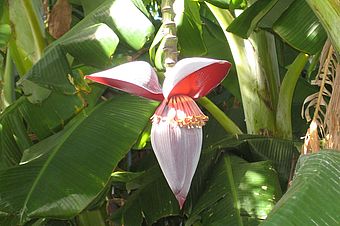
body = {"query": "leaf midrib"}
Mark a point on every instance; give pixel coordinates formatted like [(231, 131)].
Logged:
[(49, 159), (233, 190)]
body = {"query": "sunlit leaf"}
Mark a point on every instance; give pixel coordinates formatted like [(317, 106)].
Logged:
[(312, 197), (237, 191), (98, 39)]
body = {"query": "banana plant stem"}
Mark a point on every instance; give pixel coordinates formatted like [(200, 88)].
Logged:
[(228, 124)]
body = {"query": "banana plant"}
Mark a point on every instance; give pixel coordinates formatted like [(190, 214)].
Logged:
[(75, 152)]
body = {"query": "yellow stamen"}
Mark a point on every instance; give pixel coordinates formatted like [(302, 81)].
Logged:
[(180, 110)]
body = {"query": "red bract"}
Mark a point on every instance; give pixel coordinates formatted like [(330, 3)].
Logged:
[(176, 134)]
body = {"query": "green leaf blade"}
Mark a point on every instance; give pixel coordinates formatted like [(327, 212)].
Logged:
[(98, 39), (299, 27), (52, 187), (245, 24), (316, 184)]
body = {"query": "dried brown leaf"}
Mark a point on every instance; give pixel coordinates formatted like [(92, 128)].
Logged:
[(332, 118), (312, 142), (60, 18), (326, 104)]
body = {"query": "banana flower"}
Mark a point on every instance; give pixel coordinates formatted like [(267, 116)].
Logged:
[(176, 134)]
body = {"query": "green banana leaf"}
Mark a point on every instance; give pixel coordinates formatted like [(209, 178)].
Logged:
[(282, 153), (313, 197), (92, 41), (328, 13), (244, 24), (274, 14), (134, 32), (101, 47), (189, 28), (238, 192), (23, 121), (13, 136), (293, 21), (63, 181), (50, 116), (53, 69), (300, 28), (49, 72)]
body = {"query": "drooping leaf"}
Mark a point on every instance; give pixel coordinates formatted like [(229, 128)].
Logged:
[(80, 164), (312, 197), (328, 14), (244, 24), (274, 14), (299, 27)]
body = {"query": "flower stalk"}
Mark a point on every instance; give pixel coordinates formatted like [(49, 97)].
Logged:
[(228, 125)]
